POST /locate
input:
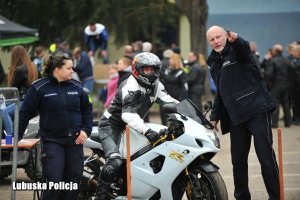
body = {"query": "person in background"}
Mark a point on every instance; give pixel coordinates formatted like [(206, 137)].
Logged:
[(128, 50), (22, 73), (279, 72), (55, 45), (2, 73), (65, 123), (137, 47), (165, 61), (203, 64), (243, 106), (112, 84), (294, 57), (195, 79), (177, 50), (264, 64), (84, 68), (39, 53), (147, 47), (165, 64), (95, 37), (133, 99), (253, 48), (175, 80), (124, 69)]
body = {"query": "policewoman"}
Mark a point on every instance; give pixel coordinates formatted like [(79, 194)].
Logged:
[(65, 123)]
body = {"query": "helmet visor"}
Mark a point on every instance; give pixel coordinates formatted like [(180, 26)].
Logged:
[(150, 72)]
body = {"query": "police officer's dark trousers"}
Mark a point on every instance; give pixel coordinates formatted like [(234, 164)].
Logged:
[(260, 128), (62, 161)]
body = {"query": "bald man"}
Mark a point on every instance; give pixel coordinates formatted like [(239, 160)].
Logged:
[(243, 106)]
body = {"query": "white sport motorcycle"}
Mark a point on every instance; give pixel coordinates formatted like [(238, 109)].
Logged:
[(176, 167)]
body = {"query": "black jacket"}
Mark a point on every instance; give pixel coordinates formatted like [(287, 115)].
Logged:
[(175, 82), (279, 73), (295, 87), (133, 101), (84, 67), (20, 80), (241, 94), (63, 107), (2, 73), (196, 78)]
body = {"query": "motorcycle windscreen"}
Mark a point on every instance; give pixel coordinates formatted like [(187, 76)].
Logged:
[(187, 108)]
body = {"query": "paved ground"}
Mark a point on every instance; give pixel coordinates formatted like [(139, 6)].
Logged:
[(291, 168)]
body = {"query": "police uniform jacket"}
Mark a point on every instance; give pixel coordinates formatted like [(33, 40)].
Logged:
[(241, 94), (63, 107)]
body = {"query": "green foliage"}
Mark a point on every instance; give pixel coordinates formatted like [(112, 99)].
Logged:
[(129, 20)]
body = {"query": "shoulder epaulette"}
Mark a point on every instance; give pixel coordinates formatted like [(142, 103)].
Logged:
[(75, 82), (39, 83)]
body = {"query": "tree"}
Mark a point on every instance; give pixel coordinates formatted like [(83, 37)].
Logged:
[(197, 13), (133, 20), (129, 20)]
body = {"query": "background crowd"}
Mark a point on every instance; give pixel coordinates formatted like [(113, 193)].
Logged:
[(182, 78)]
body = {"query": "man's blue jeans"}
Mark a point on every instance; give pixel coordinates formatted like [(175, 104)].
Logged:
[(7, 116)]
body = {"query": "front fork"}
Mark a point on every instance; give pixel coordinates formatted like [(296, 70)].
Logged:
[(193, 187), (190, 186)]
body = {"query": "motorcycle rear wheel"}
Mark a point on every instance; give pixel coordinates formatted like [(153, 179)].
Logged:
[(87, 190)]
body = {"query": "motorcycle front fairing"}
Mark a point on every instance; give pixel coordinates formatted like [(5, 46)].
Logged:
[(177, 155), (195, 124)]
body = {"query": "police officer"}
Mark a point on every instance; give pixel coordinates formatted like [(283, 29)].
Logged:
[(133, 99), (244, 108), (65, 123)]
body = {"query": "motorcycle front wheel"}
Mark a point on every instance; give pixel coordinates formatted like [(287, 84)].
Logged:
[(200, 185)]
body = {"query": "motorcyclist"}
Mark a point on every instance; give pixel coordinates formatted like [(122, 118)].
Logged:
[(133, 99)]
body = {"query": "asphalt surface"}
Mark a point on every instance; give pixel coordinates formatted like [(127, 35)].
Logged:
[(291, 167)]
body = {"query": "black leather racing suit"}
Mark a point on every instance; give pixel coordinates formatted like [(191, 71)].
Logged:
[(129, 106)]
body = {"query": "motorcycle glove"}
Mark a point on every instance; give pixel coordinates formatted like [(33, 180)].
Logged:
[(152, 135)]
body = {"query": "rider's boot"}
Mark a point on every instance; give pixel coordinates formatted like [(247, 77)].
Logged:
[(102, 190)]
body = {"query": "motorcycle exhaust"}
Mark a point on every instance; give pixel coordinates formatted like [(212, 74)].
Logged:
[(89, 178)]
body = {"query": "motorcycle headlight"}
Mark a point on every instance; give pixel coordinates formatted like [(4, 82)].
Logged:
[(213, 135)]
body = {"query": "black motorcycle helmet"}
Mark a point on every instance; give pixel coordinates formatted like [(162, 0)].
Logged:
[(146, 59)]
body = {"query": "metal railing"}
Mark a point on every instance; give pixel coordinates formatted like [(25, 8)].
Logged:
[(11, 95)]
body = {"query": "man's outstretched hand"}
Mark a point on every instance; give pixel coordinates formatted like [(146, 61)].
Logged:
[(231, 36)]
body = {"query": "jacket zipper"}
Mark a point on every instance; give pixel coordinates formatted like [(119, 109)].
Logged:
[(62, 92), (245, 95)]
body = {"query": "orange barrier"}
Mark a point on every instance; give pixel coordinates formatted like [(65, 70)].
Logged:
[(280, 164), (128, 171)]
